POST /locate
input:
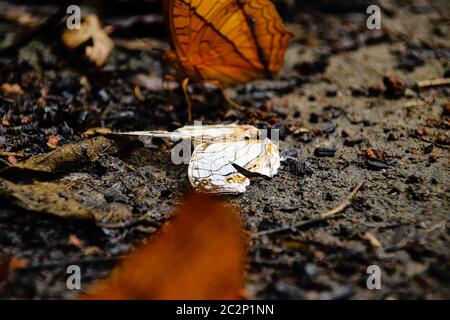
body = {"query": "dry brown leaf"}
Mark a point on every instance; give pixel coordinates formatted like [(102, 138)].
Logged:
[(91, 29), (11, 89), (44, 197), (200, 255), (68, 156)]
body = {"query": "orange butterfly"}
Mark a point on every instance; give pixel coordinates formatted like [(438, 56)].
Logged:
[(228, 42)]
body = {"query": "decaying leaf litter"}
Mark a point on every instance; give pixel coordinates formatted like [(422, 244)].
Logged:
[(331, 101)]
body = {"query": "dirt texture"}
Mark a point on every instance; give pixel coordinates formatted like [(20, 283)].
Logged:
[(347, 107)]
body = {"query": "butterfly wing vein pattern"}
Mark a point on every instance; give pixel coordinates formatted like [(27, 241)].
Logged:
[(212, 165), (230, 41), (219, 150)]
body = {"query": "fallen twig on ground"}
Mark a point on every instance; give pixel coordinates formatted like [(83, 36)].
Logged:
[(433, 83), (327, 215)]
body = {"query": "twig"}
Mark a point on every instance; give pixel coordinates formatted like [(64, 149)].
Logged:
[(433, 143), (7, 100), (433, 83), (327, 215), (345, 202)]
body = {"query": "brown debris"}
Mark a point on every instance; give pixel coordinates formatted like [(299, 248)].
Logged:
[(53, 141), (11, 89), (395, 87), (374, 242), (91, 29)]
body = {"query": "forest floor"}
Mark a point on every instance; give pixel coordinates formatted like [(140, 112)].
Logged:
[(344, 88)]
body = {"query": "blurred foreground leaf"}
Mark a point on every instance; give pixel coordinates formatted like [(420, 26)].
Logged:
[(200, 255)]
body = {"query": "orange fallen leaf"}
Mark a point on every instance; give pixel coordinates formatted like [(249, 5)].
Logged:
[(200, 255)]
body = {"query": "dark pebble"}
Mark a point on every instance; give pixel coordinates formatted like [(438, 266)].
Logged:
[(289, 153), (331, 93), (376, 165), (359, 92), (329, 196), (267, 208), (392, 137), (325, 152), (352, 143), (329, 128), (314, 118), (428, 149), (335, 112), (287, 291)]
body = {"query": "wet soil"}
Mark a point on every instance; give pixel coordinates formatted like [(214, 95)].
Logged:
[(346, 105)]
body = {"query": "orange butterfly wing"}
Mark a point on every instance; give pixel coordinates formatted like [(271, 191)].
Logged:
[(231, 41)]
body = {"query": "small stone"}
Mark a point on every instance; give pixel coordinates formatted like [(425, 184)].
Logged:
[(352, 143), (331, 93), (359, 92), (428, 149), (325, 152), (376, 165), (329, 128), (314, 118)]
